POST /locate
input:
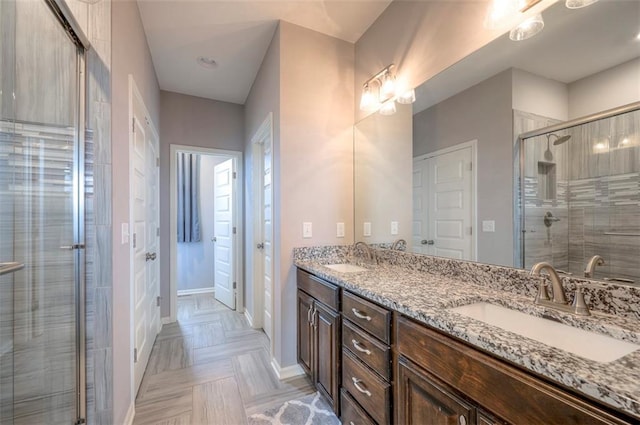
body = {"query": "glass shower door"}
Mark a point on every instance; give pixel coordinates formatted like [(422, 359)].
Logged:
[(39, 209)]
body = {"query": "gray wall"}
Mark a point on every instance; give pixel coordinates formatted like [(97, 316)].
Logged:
[(130, 55), (191, 121), (482, 112), (264, 98)]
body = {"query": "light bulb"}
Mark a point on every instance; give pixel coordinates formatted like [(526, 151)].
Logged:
[(368, 101), (388, 107), (501, 12), (388, 87), (528, 28)]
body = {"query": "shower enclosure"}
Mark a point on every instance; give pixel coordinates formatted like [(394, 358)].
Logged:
[(580, 195), (41, 216)]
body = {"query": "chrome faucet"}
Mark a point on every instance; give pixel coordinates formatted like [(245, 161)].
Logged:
[(559, 301), (398, 243), (594, 261), (367, 250)]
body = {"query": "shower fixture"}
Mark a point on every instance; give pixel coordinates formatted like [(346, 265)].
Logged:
[(548, 155)]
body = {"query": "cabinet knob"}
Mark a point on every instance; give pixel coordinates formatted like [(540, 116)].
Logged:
[(462, 420)]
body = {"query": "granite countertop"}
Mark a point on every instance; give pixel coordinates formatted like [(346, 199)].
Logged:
[(426, 297)]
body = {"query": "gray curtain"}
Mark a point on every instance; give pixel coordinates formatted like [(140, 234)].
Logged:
[(188, 197)]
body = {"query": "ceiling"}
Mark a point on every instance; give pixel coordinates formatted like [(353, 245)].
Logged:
[(237, 34), (573, 44)]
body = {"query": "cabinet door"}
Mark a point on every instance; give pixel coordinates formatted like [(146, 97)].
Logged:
[(422, 399), (326, 324), (305, 334)]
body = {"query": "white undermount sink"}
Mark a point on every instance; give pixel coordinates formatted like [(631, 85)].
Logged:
[(345, 268), (590, 345)]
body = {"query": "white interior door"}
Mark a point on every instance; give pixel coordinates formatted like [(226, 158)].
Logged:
[(420, 231), (145, 201), (224, 234), (267, 236), (443, 205)]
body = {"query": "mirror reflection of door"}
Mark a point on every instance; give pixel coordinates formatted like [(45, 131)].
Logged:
[(443, 203)]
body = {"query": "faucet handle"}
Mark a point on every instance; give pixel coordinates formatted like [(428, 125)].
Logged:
[(579, 305), (543, 293)]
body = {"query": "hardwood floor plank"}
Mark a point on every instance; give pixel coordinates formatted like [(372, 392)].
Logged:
[(225, 351), (218, 403), (170, 354), (208, 334)]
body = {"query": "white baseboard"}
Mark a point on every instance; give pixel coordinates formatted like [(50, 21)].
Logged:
[(182, 292), (287, 372), (167, 320), (131, 413), (249, 318)]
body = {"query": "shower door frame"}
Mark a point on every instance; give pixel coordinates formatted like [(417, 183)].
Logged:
[(519, 201), (80, 40)]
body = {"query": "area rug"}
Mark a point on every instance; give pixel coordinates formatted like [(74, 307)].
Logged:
[(310, 410)]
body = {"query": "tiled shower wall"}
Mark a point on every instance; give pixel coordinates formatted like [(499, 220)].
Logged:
[(95, 20), (597, 199), (604, 196)]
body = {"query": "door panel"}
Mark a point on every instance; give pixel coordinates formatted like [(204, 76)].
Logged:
[(145, 245), (305, 304), (443, 213), (224, 271)]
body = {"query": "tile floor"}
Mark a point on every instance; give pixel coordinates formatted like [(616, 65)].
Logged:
[(210, 368)]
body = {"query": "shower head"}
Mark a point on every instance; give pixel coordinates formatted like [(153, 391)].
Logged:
[(560, 140)]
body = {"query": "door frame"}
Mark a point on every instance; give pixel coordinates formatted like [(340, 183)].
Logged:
[(134, 92), (473, 144), (255, 317), (173, 223)]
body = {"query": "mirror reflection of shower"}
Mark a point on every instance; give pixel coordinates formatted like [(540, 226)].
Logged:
[(580, 195)]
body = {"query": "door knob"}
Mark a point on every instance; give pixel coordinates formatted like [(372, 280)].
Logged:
[(214, 239), (427, 242), (150, 256), (260, 245)]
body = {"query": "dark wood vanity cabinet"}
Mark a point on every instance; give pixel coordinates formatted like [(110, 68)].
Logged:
[(318, 330), (366, 360), (443, 381)]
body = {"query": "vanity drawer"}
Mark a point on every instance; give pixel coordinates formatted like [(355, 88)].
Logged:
[(376, 355), (373, 394), (352, 413), (323, 291), (368, 316)]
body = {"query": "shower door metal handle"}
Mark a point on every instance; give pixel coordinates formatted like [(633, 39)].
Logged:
[(6, 268)]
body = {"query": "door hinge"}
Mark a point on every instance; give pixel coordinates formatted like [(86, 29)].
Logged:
[(134, 240), (158, 301), (471, 166), (133, 124), (157, 231), (471, 230), (234, 175), (234, 230), (234, 285), (135, 355), (157, 162), (81, 421)]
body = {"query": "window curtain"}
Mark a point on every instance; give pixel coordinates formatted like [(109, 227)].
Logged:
[(188, 197)]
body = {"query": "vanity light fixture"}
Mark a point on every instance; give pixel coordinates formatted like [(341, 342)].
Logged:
[(382, 91)]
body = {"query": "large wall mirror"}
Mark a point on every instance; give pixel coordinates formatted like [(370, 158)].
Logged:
[(443, 174)]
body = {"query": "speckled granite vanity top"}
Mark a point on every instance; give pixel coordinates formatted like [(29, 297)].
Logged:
[(425, 292)]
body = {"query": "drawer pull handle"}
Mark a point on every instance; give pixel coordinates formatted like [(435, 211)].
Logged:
[(356, 383), (462, 420), (358, 347), (359, 315), (351, 423)]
